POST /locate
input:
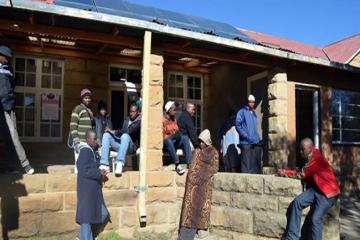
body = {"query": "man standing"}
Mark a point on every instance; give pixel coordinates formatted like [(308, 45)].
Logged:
[(173, 139), (124, 140), (7, 99), (82, 119), (322, 191), (90, 211), (186, 124), (246, 125)]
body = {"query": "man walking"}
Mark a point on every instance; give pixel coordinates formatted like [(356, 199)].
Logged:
[(7, 99), (246, 125), (124, 140), (91, 211), (322, 191), (186, 125)]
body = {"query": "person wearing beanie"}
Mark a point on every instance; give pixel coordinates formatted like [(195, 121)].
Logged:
[(82, 119), (102, 120), (246, 125), (173, 139), (195, 214), (7, 105)]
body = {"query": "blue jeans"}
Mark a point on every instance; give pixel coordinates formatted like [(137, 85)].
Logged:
[(320, 205), (122, 145), (87, 229), (184, 143)]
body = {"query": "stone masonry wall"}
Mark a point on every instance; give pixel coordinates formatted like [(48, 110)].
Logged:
[(244, 206)]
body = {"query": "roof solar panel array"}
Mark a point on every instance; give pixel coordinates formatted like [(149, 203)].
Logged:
[(165, 17)]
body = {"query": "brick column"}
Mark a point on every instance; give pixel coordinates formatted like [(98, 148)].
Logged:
[(278, 118)]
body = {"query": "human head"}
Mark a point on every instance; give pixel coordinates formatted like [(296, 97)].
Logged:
[(91, 138), (170, 108), (251, 101), (205, 138), (306, 146), (86, 96), (190, 108), (102, 108), (134, 111), (5, 54)]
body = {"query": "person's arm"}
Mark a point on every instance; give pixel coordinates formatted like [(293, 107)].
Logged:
[(74, 125), (240, 118), (85, 167), (134, 128), (192, 132), (4, 86), (121, 131), (109, 122)]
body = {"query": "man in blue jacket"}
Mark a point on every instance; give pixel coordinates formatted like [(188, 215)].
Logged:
[(246, 125), (91, 211)]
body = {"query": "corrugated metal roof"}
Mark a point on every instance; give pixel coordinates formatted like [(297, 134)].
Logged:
[(285, 44), (344, 50)]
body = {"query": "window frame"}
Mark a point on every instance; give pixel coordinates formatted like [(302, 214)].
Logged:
[(38, 90)]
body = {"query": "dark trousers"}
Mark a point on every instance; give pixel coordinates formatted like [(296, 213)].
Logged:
[(320, 205), (187, 233), (251, 158), (184, 143)]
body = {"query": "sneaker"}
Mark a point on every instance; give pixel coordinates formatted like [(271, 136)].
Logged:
[(118, 169), (104, 167), (29, 170), (179, 169)]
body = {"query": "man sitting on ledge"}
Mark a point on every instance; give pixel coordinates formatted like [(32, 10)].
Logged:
[(322, 191), (173, 139), (125, 140)]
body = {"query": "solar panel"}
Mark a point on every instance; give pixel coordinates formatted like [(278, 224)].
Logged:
[(165, 17)]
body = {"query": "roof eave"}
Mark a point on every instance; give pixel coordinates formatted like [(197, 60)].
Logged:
[(135, 23)]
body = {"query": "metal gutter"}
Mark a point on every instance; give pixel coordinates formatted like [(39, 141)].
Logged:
[(135, 23)]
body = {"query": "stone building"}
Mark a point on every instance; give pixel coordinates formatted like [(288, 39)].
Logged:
[(65, 46)]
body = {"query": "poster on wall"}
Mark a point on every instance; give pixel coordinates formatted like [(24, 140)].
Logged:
[(50, 107)]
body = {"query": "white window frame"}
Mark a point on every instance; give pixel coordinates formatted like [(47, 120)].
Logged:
[(185, 99), (38, 90)]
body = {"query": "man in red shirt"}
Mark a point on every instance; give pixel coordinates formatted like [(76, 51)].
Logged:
[(322, 191)]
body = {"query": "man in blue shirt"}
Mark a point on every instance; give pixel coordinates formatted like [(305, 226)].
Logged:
[(246, 125)]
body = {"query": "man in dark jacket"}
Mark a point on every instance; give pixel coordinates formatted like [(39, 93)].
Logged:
[(7, 100), (246, 125), (91, 210), (186, 124), (102, 120), (125, 140)]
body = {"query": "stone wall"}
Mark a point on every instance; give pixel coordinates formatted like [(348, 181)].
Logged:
[(244, 206)]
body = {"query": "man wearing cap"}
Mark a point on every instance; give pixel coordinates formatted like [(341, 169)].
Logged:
[(7, 99), (82, 119), (173, 139), (246, 125)]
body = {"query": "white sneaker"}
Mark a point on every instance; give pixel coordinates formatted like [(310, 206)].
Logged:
[(180, 170), (118, 169), (104, 167)]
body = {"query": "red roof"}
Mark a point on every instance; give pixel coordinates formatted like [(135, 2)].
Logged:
[(344, 50), (285, 44)]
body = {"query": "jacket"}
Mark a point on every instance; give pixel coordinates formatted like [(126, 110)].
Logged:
[(101, 123), (132, 128), (246, 125), (318, 170), (7, 86), (170, 126), (186, 125), (89, 188), (82, 119)]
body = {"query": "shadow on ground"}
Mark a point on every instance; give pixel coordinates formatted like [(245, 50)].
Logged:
[(350, 218)]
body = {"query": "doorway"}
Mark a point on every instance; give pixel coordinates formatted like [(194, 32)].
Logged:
[(117, 102), (307, 116)]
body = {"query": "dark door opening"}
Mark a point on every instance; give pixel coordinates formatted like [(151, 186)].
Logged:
[(307, 117), (117, 108)]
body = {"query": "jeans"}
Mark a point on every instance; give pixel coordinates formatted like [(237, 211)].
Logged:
[(251, 158), (320, 205), (186, 233), (11, 124), (122, 145), (88, 231), (171, 145)]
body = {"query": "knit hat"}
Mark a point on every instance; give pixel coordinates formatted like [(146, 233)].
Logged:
[(5, 51), (205, 136), (251, 98), (168, 105), (102, 105), (85, 92)]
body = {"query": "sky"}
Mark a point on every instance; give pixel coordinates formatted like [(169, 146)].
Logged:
[(315, 22)]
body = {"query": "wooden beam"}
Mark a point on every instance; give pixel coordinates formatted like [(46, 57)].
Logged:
[(180, 67), (192, 63), (60, 32), (115, 32)]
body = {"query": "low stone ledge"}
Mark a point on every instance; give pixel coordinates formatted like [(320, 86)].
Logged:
[(279, 186), (161, 195), (254, 202), (269, 224), (232, 219), (121, 198)]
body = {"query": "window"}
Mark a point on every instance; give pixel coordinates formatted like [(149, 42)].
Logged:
[(346, 117), (39, 92), (184, 87), (125, 74)]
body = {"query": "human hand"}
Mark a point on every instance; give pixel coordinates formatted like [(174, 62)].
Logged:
[(77, 148), (282, 172)]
